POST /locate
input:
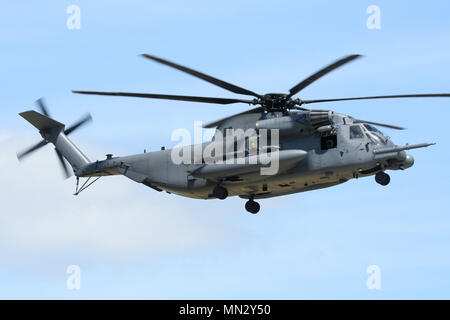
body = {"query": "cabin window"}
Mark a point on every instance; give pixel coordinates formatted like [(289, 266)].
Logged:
[(356, 132), (328, 142)]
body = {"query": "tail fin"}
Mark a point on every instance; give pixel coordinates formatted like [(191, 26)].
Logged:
[(53, 131), (40, 121)]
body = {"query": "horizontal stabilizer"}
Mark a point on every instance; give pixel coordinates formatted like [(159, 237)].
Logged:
[(40, 121)]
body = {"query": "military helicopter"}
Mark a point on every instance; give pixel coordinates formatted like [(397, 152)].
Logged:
[(315, 148)]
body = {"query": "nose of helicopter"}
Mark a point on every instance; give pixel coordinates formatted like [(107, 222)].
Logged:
[(409, 161)]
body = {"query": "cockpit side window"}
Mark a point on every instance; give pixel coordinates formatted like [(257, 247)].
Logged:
[(356, 132), (372, 128)]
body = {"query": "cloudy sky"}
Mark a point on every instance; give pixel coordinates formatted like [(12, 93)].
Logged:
[(132, 242)]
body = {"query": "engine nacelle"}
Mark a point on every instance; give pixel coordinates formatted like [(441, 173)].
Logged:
[(304, 123)]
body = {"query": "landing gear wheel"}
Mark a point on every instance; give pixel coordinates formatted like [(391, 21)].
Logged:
[(252, 206), (220, 192), (382, 178)]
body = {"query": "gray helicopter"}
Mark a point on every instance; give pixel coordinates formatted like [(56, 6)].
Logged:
[(313, 149)]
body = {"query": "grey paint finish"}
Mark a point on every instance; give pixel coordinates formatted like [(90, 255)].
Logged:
[(304, 162)]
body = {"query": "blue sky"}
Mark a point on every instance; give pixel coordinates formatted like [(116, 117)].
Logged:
[(131, 242)]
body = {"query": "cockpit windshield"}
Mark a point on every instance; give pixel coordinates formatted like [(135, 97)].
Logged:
[(372, 129), (374, 134)]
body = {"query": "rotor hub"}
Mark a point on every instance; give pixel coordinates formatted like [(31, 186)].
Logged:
[(276, 102)]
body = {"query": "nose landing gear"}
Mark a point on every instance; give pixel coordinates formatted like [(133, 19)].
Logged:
[(252, 206), (382, 178)]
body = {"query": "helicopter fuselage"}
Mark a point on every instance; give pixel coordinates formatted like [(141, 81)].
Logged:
[(342, 151)]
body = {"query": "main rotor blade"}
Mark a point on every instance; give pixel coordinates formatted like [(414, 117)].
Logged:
[(168, 97), (215, 81), (40, 102), (381, 124), (26, 152), (321, 73), (78, 124), (64, 167), (425, 95), (218, 122)]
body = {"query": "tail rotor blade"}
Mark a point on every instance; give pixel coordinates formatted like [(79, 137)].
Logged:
[(78, 124), (64, 167), (40, 102), (33, 148)]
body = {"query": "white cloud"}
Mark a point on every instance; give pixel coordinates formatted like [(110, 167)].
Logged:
[(116, 219)]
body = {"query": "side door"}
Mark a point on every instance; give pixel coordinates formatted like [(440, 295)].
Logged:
[(357, 143)]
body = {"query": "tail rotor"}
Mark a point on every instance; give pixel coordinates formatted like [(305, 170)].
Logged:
[(42, 106)]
